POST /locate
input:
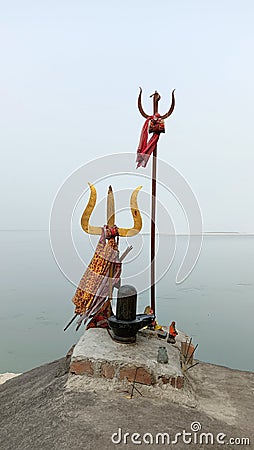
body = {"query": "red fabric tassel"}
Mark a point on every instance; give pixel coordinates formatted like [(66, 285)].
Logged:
[(145, 149)]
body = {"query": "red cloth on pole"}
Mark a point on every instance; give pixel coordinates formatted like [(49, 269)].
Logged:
[(145, 149)]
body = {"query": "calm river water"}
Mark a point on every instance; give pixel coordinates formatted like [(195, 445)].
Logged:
[(214, 305)]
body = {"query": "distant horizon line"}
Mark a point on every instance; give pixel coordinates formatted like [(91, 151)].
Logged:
[(205, 233)]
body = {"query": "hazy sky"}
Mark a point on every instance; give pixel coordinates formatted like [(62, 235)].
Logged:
[(69, 79)]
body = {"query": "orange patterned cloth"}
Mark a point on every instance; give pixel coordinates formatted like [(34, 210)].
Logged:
[(106, 253)]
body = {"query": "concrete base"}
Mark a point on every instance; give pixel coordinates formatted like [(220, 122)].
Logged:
[(97, 355)]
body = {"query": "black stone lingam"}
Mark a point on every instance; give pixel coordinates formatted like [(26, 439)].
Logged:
[(126, 323)]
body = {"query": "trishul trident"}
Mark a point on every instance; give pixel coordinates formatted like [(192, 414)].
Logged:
[(137, 220), (156, 98), (90, 229)]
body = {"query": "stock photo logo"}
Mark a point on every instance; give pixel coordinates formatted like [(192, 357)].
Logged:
[(73, 245), (195, 435)]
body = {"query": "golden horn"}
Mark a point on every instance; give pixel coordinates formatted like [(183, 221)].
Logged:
[(88, 211), (137, 219), (137, 225)]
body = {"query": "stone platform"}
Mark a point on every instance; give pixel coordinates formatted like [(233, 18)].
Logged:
[(97, 355)]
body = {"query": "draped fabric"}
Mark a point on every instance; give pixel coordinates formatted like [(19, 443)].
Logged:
[(93, 287), (100, 319), (145, 149), (100, 308)]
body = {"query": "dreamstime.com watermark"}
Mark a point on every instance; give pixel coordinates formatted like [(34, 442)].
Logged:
[(194, 436)]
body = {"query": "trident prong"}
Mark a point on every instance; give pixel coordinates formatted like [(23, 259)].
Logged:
[(156, 97), (137, 220), (140, 105)]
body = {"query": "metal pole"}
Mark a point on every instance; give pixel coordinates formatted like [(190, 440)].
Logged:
[(156, 97), (153, 213)]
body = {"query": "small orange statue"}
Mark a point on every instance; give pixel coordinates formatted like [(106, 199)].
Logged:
[(172, 333)]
